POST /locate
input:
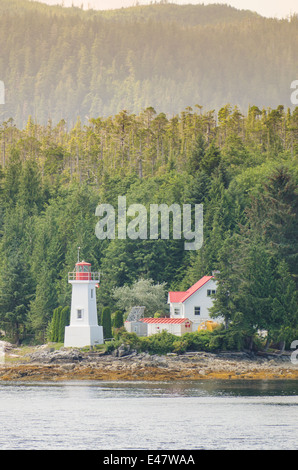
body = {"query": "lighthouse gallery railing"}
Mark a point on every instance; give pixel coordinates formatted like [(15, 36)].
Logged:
[(87, 276)]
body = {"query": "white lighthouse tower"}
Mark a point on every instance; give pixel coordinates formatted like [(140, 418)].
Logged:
[(83, 329)]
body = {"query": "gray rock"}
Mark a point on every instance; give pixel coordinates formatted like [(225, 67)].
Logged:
[(62, 355)]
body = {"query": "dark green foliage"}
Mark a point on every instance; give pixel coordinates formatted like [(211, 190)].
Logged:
[(106, 322), (16, 283), (16, 293), (164, 342), (53, 179), (211, 159), (30, 187), (63, 322), (240, 161), (277, 208), (118, 319), (12, 175), (56, 328), (160, 343), (197, 341), (197, 158)]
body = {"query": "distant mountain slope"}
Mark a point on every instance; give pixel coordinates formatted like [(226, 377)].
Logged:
[(65, 62), (186, 15)]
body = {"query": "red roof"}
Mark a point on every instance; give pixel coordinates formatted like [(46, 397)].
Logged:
[(182, 296), (176, 296), (164, 320)]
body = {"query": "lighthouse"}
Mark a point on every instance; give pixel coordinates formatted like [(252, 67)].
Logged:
[(83, 329)]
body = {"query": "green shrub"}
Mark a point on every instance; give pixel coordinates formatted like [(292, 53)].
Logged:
[(124, 337), (161, 343), (165, 342), (110, 346), (197, 341), (131, 339), (232, 339)]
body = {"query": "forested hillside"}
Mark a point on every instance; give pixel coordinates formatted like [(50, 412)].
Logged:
[(61, 63), (162, 104), (241, 167)]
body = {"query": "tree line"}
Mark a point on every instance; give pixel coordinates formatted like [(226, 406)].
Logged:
[(242, 168)]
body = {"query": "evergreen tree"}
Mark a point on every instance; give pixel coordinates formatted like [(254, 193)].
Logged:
[(41, 307), (273, 216), (54, 329), (106, 322), (11, 183), (197, 156), (17, 287), (31, 193), (284, 306), (63, 322), (118, 319), (211, 159), (16, 293)]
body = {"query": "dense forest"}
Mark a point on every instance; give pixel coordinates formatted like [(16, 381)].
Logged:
[(241, 167), (162, 104), (60, 63)]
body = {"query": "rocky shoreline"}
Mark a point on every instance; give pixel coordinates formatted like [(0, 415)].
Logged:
[(46, 364)]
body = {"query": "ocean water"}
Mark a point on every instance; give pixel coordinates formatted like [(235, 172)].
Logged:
[(211, 415)]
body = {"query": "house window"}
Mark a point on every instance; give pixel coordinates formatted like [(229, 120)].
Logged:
[(197, 311), (176, 311), (210, 292), (92, 293), (79, 313)]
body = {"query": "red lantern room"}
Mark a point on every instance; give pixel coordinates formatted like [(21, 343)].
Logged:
[(83, 271)]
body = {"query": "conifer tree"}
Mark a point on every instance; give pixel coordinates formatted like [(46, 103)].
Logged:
[(41, 307), (17, 286), (63, 322), (211, 159), (273, 215), (106, 322), (197, 156), (15, 295), (118, 319), (30, 189), (11, 183), (56, 329)]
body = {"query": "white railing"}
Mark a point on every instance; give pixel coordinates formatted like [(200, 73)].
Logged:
[(77, 276)]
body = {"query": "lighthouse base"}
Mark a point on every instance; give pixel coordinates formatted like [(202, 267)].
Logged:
[(83, 335)]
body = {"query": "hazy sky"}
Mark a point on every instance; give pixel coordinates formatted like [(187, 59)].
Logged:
[(269, 8)]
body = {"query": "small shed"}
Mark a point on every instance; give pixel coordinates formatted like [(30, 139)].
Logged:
[(176, 326)]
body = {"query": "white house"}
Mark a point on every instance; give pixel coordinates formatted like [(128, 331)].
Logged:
[(193, 304)]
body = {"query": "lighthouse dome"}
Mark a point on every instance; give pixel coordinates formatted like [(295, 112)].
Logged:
[(83, 270)]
